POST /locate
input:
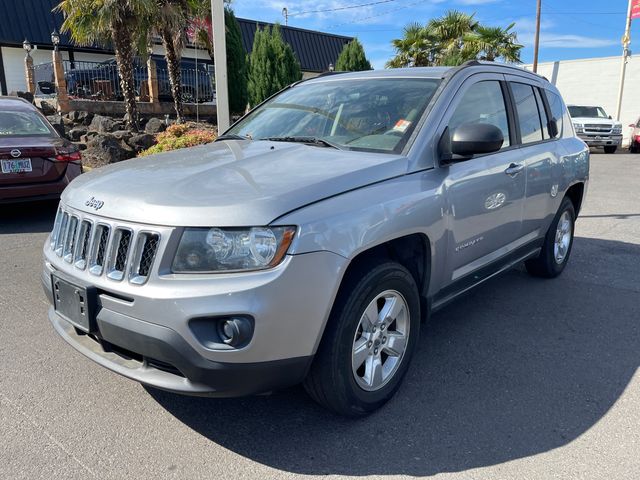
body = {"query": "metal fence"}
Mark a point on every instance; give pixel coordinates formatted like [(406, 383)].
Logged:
[(197, 85), (101, 81), (44, 79)]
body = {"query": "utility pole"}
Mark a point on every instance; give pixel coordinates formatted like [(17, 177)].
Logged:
[(285, 14), (536, 43), (626, 40), (220, 64)]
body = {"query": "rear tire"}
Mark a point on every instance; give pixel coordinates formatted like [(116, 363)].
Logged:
[(360, 364), (557, 244), (610, 149)]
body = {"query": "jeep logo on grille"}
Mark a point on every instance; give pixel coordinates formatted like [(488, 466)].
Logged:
[(94, 203)]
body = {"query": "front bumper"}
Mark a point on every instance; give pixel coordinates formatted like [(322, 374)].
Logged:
[(144, 332), (601, 140)]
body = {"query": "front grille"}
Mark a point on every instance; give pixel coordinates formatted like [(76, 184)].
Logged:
[(597, 128), (103, 247)]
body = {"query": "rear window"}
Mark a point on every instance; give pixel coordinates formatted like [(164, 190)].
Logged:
[(557, 110), (20, 124)]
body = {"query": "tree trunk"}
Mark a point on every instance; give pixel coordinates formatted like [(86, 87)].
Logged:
[(175, 73), (123, 45)]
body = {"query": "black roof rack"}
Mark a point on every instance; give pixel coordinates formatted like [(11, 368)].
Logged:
[(477, 63)]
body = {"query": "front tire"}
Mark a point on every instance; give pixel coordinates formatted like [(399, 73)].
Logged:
[(610, 149), (557, 244), (368, 342)]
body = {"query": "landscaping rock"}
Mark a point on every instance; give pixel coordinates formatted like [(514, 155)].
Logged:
[(55, 119), (105, 149), (122, 135), (155, 125), (80, 145), (88, 136), (76, 134), (141, 141), (103, 124), (85, 118), (47, 109)]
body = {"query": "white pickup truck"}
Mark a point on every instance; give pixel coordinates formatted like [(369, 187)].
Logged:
[(595, 127)]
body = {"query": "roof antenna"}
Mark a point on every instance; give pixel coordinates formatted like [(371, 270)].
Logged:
[(285, 14)]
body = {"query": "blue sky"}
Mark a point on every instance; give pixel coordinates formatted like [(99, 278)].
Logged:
[(569, 29)]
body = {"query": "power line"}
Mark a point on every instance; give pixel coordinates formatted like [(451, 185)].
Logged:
[(348, 7), (378, 14)]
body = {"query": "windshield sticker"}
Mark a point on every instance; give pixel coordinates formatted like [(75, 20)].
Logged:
[(402, 125)]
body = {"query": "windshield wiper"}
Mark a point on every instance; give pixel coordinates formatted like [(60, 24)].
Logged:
[(320, 142), (232, 136)]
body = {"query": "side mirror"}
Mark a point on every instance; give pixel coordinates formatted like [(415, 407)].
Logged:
[(471, 139), (632, 125)]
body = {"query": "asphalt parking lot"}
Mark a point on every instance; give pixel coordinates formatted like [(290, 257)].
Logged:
[(522, 378)]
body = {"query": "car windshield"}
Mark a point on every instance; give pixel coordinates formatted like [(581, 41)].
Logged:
[(356, 114), (19, 124), (589, 112)]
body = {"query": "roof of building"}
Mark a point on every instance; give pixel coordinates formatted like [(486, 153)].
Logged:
[(315, 50), (34, 20)]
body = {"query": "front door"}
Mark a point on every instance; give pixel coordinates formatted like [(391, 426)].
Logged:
[(484, 195)]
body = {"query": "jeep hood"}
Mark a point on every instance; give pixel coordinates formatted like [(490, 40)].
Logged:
[(229, 183)]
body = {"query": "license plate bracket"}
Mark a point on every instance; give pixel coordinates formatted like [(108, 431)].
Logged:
[(18, 165), (74, 303)]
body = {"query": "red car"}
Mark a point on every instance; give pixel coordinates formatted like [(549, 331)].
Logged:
[(36, 163), (634, 146)]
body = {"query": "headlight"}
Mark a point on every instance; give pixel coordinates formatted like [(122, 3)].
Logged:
[(231, 249), (617, 129), (578, 127)]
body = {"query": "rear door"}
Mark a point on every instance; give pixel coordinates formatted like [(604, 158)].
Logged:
[(484, 195), (541, 152)]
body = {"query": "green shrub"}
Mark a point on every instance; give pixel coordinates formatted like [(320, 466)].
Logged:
[(352, 58), (180, 136)]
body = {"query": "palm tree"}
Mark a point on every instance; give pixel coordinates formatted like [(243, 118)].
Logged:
[(169, 23), (491, 43), (416, 48), (115, 22), (452, 40), (450, 31)]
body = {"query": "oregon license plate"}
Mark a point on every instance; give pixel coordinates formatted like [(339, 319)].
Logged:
[(73, 303), (19, 165)]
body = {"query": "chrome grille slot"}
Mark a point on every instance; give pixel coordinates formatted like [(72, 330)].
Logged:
[(62, 234), (99, 249), (70, 239), (145, 253), (118, 253), (82, 246), (104, 247), (55, 233)]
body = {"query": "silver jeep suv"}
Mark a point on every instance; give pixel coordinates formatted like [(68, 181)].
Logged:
[(310, 240)]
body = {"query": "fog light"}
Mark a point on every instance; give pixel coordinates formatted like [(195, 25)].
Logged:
[(234, 331)]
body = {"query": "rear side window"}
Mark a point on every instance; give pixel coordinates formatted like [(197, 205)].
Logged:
[(543, 114), (527, 112), (483, 102), (557, 110)]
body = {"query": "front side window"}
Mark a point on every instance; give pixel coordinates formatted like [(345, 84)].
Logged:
[(527, 113), (359, 114), (483, 102), (19, 124)]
